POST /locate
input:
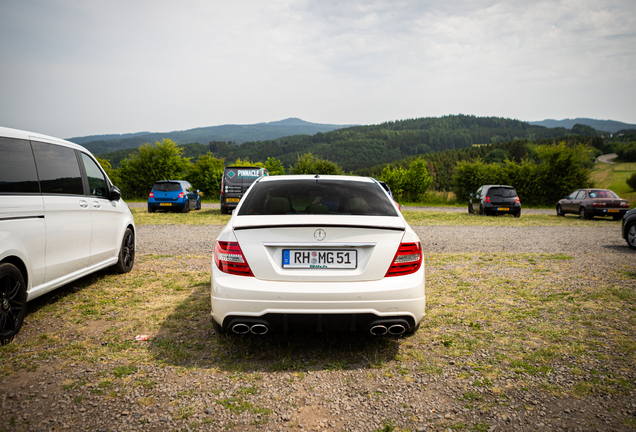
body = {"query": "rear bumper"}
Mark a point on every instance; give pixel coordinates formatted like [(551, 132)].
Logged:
[(162, 205), (503, 208), (597, 211), (229, 204), (317, 306)]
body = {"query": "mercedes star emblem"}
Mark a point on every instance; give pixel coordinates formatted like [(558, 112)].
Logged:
[(320, 235)]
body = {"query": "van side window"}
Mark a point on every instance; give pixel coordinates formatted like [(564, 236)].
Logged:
[(96, 180), (58, 169), (17, 168)]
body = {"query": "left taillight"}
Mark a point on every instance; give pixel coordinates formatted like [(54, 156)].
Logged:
[(229, 258), (407, 260), (152, 195)]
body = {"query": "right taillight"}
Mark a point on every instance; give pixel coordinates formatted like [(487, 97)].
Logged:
[(408, 259), (229, 258)]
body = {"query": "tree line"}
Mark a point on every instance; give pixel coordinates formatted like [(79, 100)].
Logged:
[(410, 178)]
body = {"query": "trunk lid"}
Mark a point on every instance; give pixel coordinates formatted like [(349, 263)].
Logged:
[(370, 241)]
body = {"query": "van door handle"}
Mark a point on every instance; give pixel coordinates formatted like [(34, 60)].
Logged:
[(96, 204), (83, 203)]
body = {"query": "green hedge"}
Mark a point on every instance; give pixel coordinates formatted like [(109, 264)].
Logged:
[(560, 171)]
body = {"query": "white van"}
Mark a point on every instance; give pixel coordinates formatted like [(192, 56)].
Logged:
[(60, 219)]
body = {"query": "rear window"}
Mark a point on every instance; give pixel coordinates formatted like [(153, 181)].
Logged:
[(503, 192), (17, 167), (167, 187), (317, 197), (602, 194)]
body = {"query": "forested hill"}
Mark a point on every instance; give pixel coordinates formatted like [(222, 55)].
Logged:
[(233, 133), (361, 147), (611, 126)]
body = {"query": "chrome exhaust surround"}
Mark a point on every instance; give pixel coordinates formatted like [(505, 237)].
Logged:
[(397, 329), (378, 330), (241, 328), (259, 329)]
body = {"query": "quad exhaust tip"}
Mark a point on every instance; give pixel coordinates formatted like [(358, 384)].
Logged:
[(241, 328), (257, 329), (382, 329)]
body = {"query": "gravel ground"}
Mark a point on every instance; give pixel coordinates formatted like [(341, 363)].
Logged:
[(197, 240), (359, 399)]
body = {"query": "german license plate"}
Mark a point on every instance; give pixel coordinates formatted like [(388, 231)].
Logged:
[(503, 208), (320, 259), (232, 199), (166, 204), (612, 211)]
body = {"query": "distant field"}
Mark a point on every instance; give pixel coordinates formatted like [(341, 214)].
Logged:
[(614, 177)]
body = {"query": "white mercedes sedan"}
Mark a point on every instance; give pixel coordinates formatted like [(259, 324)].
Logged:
[(317, 253)]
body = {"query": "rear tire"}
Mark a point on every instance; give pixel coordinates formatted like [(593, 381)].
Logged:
[(631, 236), (13, 300), (223, 210), (186, 207), (518, 214), (218, 328), (583, 214), (413, 330), (126, 253), (559, 210)]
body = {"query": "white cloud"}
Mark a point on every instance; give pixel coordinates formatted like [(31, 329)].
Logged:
[(75, 68)]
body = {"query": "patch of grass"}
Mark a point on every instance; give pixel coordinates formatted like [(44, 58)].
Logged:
[(122, 371), (432, 218), (184, 412), (238, 405), (472, 396), (198, 217)]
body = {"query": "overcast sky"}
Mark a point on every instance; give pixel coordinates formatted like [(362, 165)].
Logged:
[(73, 68)]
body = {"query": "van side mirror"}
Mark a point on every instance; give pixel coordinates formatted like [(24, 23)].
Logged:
[(115, 193)]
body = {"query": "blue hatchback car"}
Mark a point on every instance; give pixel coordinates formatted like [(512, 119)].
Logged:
[(174, 195)]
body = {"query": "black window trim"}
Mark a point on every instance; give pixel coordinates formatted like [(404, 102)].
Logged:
[(87, 188)]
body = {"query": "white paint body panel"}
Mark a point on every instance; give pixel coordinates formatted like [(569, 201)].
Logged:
[(59, 238), (275, 290)]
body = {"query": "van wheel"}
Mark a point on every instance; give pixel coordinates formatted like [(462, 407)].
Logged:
[(223, 210), (13, 299), (126, 253)]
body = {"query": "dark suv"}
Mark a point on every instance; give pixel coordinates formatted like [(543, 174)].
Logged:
[(235, 182), (496, 199)]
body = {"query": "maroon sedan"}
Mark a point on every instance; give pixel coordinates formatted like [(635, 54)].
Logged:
[(593, 202)]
